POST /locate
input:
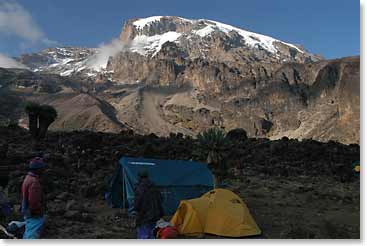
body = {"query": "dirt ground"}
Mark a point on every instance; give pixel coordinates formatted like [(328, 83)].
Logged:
[(292, 191), (290, 208)]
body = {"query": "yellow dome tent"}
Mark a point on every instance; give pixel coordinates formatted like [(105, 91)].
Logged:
[(219, 212)]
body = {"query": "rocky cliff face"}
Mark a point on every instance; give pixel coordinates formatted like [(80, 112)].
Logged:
[(210, 39), (170, 74), (165, 49), (316, 100)]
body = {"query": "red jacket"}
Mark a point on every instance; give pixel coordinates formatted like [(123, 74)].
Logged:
[(32, 196), (168, 232)]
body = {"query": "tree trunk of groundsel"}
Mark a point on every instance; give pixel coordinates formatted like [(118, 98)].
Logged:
[(33, 124), (217, 180), (43, 127)]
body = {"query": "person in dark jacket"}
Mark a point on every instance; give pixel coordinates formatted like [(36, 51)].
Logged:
[(32, 200), (148, 206)]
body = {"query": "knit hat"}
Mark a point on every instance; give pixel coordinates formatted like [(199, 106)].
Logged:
[(36, 163)]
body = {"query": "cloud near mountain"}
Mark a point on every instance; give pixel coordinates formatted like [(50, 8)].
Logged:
[(100, 59), (7, 62), (16, 21)]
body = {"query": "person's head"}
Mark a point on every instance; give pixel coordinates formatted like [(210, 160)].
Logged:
[(37, 165), (143, 174)]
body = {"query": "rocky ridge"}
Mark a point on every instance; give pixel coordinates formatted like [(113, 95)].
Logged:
[(172, 74)]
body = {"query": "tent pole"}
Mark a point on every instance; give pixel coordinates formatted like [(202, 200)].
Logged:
[(123, 189)]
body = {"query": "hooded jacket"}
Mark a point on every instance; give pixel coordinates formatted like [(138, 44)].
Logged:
[(32, 196)]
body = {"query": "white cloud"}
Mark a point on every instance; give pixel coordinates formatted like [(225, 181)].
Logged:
[(15, 20), (100, 60), (7, 62)]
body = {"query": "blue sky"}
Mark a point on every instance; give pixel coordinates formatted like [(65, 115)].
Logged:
[(327, 27)]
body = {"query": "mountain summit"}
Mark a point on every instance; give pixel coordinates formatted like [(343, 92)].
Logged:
[(205, 54), (184, 38), (207, 38), (169, 74)]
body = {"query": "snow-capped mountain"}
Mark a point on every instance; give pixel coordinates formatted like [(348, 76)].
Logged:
[(64, 61), (192, 39), (171, 74), (173, 50), (199, 38)]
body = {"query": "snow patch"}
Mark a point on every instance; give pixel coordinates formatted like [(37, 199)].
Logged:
[(67, 72), (204, 31), (81, 68), (143, 44), (66, 61), (145, 21), (250, 38), (91, 74), (142, 22)]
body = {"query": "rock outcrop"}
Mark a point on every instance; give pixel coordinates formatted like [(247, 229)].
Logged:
[(171, 74)]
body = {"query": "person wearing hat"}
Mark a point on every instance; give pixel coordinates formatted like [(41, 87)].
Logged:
[(32, 199), (147, 205)]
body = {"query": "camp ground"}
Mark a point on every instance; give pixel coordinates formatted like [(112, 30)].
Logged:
[(291, 189), (177, 180), (188, 195)]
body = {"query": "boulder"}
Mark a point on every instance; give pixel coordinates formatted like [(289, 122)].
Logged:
[(237, 135), (72, 214), (72, 205), (63, 196)]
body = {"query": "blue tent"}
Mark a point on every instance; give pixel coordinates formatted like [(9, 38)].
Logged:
[(177, 180)]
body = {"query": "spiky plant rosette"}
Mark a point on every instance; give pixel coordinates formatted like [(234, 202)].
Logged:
[(32, 108), (48, 113), (213, 139)]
